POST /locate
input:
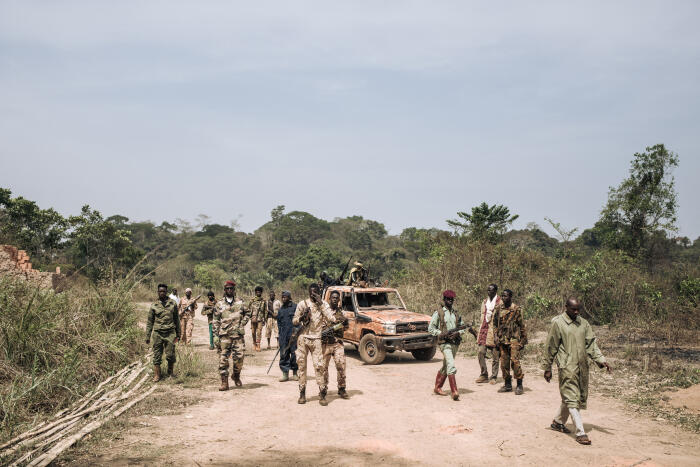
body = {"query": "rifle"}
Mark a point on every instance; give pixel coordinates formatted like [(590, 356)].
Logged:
[(292, 339), (345, 269), (329, 331), (190, 305), (451, 335)]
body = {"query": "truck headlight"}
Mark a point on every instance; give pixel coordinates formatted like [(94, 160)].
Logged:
[(390, 328)]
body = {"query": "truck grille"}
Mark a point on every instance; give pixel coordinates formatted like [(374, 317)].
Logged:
[(402, 328)]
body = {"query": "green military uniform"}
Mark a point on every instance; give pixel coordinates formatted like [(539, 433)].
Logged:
[(258, 316), (164, 322), (450, 320), (208, 309), (570, 343), (512, 337), (230, 318)]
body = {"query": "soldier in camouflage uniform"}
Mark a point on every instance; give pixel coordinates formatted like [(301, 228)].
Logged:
[(333, 346), (512, 338), (187, 307), (273, 307), (310, 314), (164, 322), (208, 310), (230, 318), (258, 316)]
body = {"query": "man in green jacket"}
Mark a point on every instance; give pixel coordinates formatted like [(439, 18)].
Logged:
[(164, 322), (570, 342), (443, 321)]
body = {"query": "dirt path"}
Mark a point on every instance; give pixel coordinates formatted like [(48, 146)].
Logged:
[(391, 418)]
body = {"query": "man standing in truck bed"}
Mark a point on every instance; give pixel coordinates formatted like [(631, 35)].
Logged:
[(443, 321)]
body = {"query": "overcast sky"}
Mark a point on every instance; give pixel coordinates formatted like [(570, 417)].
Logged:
[(400, 111)]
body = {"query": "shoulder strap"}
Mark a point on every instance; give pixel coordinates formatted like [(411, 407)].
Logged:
[(441, 316)]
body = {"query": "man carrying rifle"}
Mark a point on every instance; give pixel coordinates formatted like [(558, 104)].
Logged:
[(287, 345), (333, 345), (512, 337), (447, 325), (310, 314), (187, 308)]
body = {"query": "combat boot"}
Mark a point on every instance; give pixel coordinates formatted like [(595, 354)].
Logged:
[(482, 379), (285, 377), (507, 386), (343, 394), (453, 387), (302, 396), (295, 376), (224, 383), (156, 373), (322, 398), (170, 368), (439, 382), (236, 377), (519, 387)]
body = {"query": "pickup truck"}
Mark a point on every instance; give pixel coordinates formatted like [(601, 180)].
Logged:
[(379, 323)]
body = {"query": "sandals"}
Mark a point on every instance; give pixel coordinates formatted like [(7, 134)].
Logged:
[(583, 439), (560, 427)]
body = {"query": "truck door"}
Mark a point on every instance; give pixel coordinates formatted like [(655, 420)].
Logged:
[(351, 333)]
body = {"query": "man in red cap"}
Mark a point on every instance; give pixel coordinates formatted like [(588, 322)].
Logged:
[(230, 318), (443, 325)]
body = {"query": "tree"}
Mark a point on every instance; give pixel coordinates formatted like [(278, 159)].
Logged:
[(565, 235), (209, 275), (484, 223), (643, 206), (316, 259)]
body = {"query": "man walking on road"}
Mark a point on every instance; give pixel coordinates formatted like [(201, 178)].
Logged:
[(230, 318), (443, 321), (173, 296), (288, 359), (571, 342), (163, 321), (273, 307), (309, 314), (512, 338), (208, 310), (258, 316), (188, 306), (486, 340), (333, 346)]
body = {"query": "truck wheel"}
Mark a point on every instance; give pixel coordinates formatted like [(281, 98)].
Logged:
[(370, 350), (424, 354)]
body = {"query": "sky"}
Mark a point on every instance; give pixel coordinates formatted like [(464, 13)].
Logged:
[(405, 112)]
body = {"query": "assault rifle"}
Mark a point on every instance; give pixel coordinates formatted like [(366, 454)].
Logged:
[(339, 281), (189, 307), (295, 335), (329, 332), (452, 335)]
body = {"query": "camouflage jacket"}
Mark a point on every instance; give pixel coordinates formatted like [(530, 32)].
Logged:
[(185, 302), (230, 318), (208, 309), (163, 317), (258, 309), (509, 325), (339, 318), (311, 316)]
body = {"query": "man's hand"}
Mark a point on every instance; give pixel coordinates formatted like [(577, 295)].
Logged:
[(548, 375), (316, 298), (606, 366)]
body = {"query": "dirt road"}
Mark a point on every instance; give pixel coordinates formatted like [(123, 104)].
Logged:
[(391, 418)]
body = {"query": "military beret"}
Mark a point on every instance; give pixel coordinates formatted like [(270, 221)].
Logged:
[(449, 294), (229, 284)]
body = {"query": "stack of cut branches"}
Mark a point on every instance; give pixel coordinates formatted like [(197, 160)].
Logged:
[(112, 397)]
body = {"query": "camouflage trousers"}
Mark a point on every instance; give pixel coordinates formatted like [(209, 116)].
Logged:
[(256, 330), (271, 326), (315, 347), (510, 358), (233, 348), (163, 340), (186, 327), (337, 352)]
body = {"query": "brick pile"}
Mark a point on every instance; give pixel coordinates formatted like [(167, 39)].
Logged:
[(16, 263)]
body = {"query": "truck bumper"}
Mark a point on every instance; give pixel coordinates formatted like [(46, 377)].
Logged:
[(407, 341)]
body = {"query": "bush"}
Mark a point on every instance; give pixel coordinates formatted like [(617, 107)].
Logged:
[(58, 345)]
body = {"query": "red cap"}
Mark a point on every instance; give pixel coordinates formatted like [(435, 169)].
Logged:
[(449, 294), (229, 284)]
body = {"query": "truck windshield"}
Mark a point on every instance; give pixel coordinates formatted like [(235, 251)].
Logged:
[(379, 300)]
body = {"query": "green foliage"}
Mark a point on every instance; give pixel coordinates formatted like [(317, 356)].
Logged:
[(689, 291), (209, 275), (538, 306), (316, 259), (484, 223), (643, 205)]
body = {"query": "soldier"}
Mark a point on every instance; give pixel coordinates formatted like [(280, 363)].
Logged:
[(512, 338), (187, 308), (208, 310), (258, 316), (327, 281), (486, 340), (164, 323), (571, 342), (443, 321), (333, 346), (310, 314), (230, 318), (358, 276), (288, 359), (273, 307)]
